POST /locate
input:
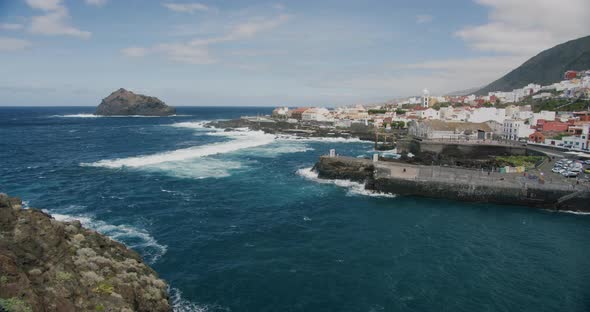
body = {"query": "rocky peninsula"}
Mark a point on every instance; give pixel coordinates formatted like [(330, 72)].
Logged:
[(125, 103), (464, 184), (48, 265)]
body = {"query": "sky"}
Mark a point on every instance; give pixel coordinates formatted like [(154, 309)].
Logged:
[(275, 53)]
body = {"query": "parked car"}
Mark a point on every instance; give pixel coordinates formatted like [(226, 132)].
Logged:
[(556, 169), (587, 170), (570, 174), (587, 162)]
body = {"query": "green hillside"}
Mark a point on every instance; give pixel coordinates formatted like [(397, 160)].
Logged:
[(546, 67)]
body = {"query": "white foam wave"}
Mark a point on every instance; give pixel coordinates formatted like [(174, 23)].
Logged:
[(179, 304), (247, 139), (198, 125), (278, 148), (354, 188), (321, 139), (206, 167), (77, 116), (101, 116), (580, 213), (135, 238)]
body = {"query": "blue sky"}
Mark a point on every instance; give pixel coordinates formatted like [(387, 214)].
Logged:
[(296, 53)]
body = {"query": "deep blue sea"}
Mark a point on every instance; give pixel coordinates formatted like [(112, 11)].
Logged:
[(235, 221)]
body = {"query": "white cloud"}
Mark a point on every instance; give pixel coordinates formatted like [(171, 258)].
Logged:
[(13, 44), (9, 26), (55, 23), (96, 2), (423, 19), (196, 51), (440, 76), (45, 5), (250, 29), (185, 7), (527, 27), (186, 53), (278, 6), (135, 51)]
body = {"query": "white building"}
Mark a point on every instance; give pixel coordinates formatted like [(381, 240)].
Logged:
[(425, 98), (316, 114), (428, 113), (543, 95), (578, 142), (484, 114), (516, 128), (453, 114), (280, 112), (441, 130), (545, 115)]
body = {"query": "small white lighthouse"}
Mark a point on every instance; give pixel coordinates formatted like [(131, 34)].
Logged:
[(425, 98)]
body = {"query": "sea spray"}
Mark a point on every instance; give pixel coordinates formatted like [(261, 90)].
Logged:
[(354, 188)]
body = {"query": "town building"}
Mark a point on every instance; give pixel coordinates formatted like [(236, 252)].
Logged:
[(438, 129), (425, 98), (515, 129), (428, 113), (280, 112), (297, 113), (316, 114)]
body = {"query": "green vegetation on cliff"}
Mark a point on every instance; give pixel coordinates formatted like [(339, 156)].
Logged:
[(546, 67)]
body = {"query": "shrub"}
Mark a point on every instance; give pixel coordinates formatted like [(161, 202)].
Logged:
[(104, 288), (62, 277), (15, 305)]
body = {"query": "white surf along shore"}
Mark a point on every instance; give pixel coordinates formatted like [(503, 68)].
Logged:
[(354, 188), (182, 162)]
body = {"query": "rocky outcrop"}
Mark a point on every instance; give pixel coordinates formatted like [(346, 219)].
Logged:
[(342, 168), (454, 183), (123, 103), (48, 265)]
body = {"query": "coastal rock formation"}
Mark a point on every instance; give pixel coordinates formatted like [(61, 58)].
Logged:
[(463, 184), (358, 170), (48, 265), (123, 102)]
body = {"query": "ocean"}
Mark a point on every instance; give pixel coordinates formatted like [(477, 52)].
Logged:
[(237, 221)]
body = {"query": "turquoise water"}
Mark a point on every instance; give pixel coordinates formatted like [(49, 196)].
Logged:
[(236, 222)]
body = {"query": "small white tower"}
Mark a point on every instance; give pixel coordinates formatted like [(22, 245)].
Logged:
[(425, 98)]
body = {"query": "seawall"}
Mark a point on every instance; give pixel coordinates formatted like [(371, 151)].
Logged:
[(455, 183)]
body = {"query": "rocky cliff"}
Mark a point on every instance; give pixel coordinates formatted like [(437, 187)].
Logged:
[(123, 102), (47, 265)]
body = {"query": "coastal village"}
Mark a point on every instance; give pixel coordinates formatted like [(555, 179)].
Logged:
[(528, 146), (556, 115)]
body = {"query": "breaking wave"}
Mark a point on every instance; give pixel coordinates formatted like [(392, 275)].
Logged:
[(197, 125), (354, 188), (179, 304), (247, 139), (77, 116), (135, 238), (321, 139), (124, 116)]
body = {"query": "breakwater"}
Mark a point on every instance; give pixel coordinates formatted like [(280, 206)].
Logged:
[(456, 183)]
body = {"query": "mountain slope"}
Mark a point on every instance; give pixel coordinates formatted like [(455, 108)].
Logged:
[(546, 67)]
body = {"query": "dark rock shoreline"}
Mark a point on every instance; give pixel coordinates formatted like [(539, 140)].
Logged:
[(454, 183), (304, 130), (48, 265)]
